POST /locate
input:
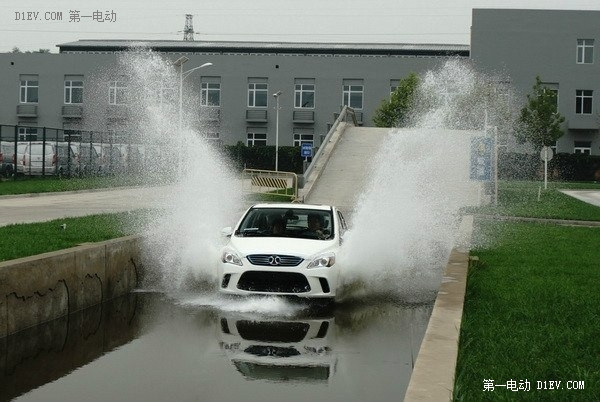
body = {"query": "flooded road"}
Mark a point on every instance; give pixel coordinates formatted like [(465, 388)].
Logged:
[(152, 347)]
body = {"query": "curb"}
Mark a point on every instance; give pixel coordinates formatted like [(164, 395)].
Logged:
[(432, 378), (538, 220)]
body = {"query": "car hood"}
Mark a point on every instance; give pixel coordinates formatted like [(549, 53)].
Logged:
[(277, 245)]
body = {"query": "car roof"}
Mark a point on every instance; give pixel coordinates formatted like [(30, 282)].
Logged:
[(288, 205)]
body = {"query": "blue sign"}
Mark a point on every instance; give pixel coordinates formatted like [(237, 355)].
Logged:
[(306, 150), (481, 158)]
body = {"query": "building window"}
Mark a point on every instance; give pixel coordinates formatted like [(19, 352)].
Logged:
[(393, 85), (583, 101), (117, 93), (28, 133), (353, 94), (256, 139), (165, 95), (585, 51), (211, 136), (553, 88), (583, 147), (257, 92), (29, 91), (299, 139), (72, 135), (304, 94), (210, 94), (73, 91)]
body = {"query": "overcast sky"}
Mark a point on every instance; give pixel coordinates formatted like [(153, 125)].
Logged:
[(392, 21)]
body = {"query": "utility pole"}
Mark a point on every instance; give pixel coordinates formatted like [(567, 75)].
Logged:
[(188, 30)]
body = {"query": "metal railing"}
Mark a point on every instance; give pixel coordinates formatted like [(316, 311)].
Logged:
[(283, 184), (43, 151), (346, 114)]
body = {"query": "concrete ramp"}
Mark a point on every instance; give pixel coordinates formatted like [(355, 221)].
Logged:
[(346, 172)]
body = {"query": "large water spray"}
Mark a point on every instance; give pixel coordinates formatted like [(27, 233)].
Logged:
[(406, 222), (201, 193)]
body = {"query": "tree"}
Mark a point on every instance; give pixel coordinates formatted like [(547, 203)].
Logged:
[(17, 50), (395, 111), (539, 122)]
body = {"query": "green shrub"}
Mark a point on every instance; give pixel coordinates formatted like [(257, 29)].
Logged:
[(263, 157)]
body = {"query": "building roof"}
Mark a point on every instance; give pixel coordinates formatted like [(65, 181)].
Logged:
[(92, 45)]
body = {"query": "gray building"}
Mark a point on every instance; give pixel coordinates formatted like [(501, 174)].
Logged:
[(316, 80), (557, 45)]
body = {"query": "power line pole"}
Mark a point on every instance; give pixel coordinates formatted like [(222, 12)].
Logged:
[(188, 30)]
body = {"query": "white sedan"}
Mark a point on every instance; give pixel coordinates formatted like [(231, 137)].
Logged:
[(283, 249)]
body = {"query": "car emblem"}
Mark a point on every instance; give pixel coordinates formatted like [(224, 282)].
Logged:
[(274, 260)]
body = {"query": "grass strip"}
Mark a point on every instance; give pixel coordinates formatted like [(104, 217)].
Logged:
[(531, 313), (23, 240), (520, 198), (55, 184)]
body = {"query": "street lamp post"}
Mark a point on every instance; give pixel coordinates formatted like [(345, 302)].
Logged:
[(276, 95), (184, 74)]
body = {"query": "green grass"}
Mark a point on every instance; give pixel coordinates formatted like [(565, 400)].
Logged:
[(518, 198), (280, 195), (24, 240), (532, 313), (53, 184)]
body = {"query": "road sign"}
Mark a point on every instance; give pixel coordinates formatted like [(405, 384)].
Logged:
[(481, 158), (546, 154), (306, 150)]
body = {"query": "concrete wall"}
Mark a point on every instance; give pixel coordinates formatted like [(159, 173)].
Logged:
[(41, 288)]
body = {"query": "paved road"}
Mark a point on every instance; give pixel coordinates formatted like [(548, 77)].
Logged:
[(45, 207), (347, 171), (589, 196)]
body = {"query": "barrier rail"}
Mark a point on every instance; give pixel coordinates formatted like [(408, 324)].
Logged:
[(283, 184), (344, 115)]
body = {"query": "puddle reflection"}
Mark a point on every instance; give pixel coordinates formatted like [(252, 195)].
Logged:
[(49, 351), (280, 350)]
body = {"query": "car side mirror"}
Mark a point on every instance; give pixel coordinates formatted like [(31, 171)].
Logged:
[(227, 232)]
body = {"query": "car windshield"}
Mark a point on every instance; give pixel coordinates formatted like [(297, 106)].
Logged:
[(297, 223)]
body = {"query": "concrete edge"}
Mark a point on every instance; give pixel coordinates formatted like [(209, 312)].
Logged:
[(432, 378), (550, 221), (324, 159), (43, 287)]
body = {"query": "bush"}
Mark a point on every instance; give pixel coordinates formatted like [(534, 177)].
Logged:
[(563, 167), (263, 157), (516, 166), (575, 167)]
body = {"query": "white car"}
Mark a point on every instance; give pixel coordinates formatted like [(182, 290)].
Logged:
[(283, 249)]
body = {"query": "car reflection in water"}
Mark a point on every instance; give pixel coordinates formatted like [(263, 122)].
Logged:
[(280, 350)]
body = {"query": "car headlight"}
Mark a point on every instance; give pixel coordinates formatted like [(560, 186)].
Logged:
[(322, 261), (230, 257)]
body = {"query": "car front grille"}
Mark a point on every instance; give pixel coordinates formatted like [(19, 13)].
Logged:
[(272, 331), (276, 282), (274, 260)]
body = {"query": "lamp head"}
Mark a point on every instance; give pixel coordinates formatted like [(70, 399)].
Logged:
[(277, 94), (180, 61)]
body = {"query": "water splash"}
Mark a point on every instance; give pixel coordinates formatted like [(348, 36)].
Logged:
[(405, 223), (255, 306), (201, 191)]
